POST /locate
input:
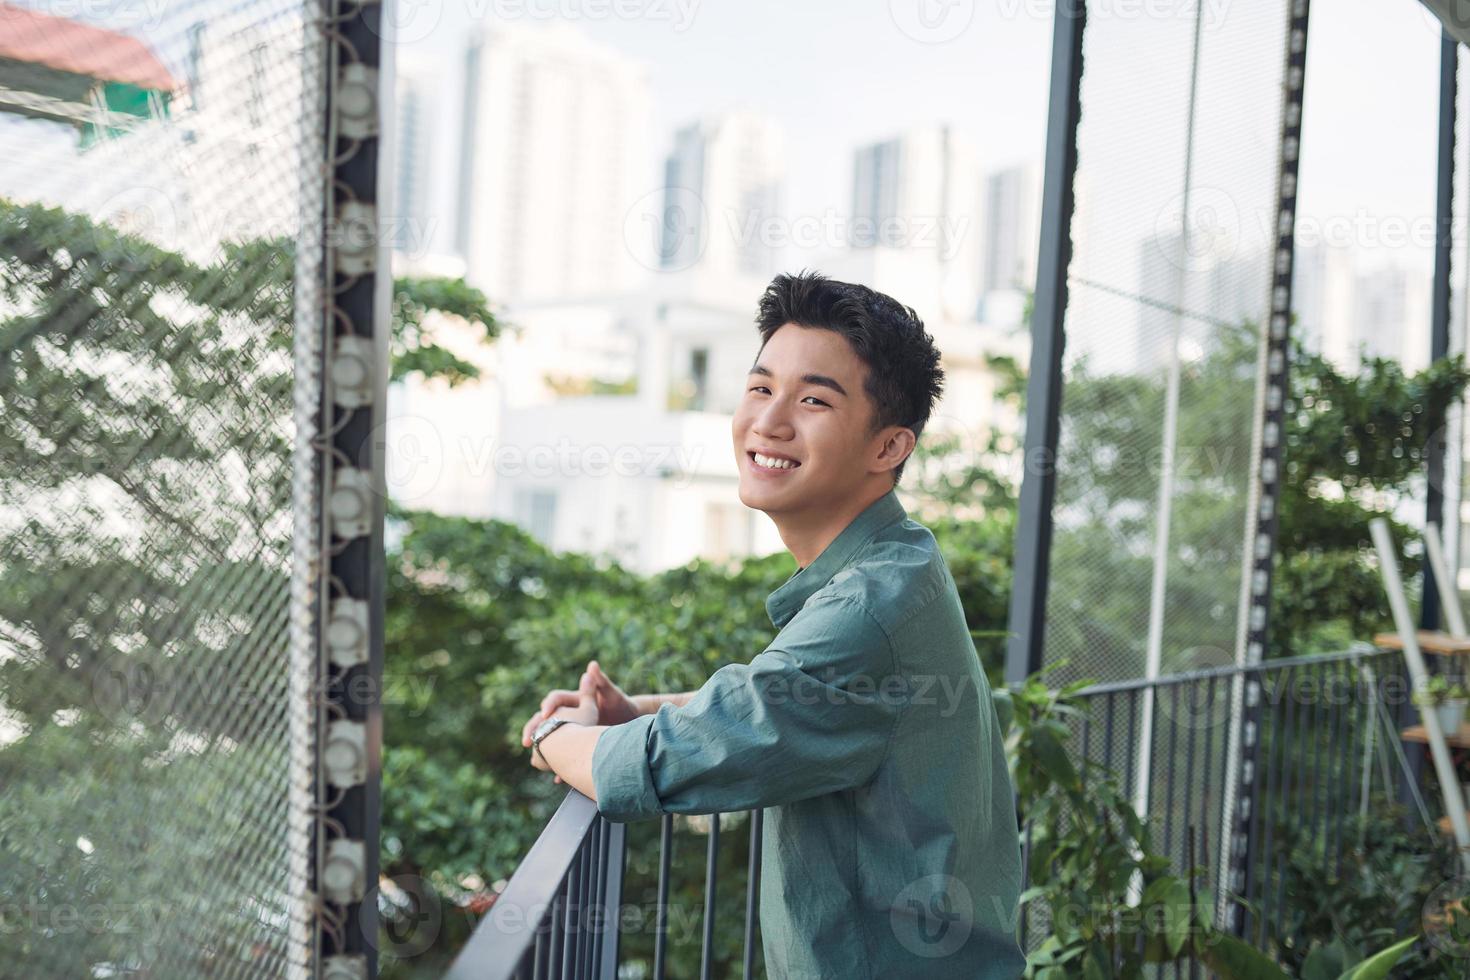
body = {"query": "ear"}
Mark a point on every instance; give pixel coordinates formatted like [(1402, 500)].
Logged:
[(895, 444)]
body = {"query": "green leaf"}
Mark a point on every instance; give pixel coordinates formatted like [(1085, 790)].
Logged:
[(1376, 967), (1325, 962), (1053, 758), (1235, 960)]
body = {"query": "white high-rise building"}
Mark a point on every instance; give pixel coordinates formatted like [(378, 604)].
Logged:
[(1392, 303), (555, 157), (1012, 230), (1322, 296), (417, 93), (920, 194), (722, 181)]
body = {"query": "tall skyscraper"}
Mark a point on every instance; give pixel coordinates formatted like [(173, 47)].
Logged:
[(416, 94), (1012, 227), (919, 193), (721, 183), (554, 156), (1322, 296)]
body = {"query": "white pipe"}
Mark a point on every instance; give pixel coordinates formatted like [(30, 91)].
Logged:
[(1449, 594), (1444, 766)]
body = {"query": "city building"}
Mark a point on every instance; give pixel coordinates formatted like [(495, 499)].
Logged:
[(553, 162), (722, 185)]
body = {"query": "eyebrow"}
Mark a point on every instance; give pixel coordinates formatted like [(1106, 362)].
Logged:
[(811, 379)]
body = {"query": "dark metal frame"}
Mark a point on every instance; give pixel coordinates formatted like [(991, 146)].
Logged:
[(1027, 618), (1439, 327), (358, 305)]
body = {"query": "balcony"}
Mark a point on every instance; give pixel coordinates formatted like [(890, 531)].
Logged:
[(1329, 755)]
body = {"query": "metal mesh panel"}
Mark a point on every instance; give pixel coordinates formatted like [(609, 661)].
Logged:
[(157, 262), (1167, 288)]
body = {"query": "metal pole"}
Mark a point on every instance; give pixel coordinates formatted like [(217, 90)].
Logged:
[(1454, 613), (1164, 511), (1027, 618)]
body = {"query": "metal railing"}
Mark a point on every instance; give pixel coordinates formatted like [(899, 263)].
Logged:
[(1329, 733)]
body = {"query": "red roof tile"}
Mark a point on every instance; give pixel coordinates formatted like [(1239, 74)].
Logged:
[(81, 49)]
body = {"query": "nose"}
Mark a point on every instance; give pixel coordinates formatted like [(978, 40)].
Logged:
[(773, 421)]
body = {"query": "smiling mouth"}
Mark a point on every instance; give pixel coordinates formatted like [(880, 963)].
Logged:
[(750, 455)]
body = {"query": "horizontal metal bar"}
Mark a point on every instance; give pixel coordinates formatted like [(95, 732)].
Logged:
[(1353, 654)]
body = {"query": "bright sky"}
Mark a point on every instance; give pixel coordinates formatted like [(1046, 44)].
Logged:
[(839, 73)]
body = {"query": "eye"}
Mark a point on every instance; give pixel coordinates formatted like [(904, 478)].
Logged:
[(817, 400), (759, 388)]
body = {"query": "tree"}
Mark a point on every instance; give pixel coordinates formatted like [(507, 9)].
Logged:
[(145, 458)]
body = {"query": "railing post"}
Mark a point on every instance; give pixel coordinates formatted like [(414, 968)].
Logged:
[(612, 898)]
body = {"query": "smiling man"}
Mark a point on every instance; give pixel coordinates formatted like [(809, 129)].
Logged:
[(865, 729)]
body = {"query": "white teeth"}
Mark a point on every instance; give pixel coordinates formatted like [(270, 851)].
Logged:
[(772, 463)]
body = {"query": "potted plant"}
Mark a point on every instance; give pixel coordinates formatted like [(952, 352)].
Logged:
[(1445, 697)]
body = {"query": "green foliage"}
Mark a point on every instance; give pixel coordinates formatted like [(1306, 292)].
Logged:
[(413, 350), (1336, 906), (1355, 447), (1087, 847)]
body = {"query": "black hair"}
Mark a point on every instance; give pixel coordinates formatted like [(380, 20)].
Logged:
[(904, 377)]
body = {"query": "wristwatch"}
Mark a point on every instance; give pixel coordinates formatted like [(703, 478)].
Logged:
[(544, 729)]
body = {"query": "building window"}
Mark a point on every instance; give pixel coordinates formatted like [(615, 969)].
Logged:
[(699, 375), (536, 513)]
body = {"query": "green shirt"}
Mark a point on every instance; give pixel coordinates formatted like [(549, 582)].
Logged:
[(867, 731)]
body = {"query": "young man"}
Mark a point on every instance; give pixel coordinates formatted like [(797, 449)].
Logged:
[(866, 727)]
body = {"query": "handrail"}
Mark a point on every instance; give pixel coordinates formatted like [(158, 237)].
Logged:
[(537, 922), (1356, 652)]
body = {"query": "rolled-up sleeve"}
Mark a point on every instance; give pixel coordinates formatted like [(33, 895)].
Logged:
[(813, 713)]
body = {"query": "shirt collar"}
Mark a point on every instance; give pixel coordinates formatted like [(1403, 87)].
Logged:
[(794, 592)]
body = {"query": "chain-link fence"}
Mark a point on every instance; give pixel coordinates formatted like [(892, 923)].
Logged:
[(155, 193), (1167, 290)]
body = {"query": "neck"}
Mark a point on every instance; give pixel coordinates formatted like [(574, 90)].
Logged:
[(808, 532)]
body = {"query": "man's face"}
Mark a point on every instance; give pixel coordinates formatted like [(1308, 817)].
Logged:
[(804, 401)]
